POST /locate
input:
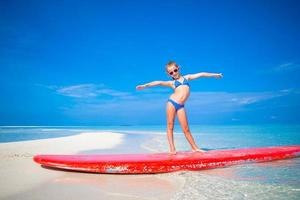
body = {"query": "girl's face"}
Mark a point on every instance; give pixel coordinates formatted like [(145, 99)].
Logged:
[(173, 71)]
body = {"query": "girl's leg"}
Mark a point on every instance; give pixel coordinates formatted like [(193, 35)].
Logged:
[(171, 112), (182, 118)]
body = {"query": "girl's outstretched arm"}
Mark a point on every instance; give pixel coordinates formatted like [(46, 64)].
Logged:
[(203, 74), (154, 83)]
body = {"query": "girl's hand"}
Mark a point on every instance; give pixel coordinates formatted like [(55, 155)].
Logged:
[(220, 75), (140, 87)]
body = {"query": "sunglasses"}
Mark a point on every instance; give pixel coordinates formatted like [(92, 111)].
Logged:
[(174, 71)]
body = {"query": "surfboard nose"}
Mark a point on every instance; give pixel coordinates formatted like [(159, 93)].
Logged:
[(37, 158)]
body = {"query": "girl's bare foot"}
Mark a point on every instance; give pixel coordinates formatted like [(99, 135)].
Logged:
[(172, 152), (198, 150)]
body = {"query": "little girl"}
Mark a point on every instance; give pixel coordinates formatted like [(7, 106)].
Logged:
[(175, 104)]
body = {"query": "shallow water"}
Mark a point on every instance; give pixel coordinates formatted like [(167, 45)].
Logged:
[(268, 180)]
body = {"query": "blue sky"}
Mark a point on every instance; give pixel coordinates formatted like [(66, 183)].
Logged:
[(78, 62)]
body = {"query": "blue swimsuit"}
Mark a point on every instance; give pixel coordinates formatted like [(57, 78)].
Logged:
[(176, 105)]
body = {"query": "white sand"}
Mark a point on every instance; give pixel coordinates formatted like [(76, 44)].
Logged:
[(22, 178), (18, 172)]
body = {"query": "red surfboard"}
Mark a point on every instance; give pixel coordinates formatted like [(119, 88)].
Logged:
[(164, 162)]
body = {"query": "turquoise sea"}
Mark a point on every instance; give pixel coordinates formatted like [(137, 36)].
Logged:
[(269, 180)]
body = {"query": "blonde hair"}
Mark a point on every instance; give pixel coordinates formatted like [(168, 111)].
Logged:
[(170, 63)]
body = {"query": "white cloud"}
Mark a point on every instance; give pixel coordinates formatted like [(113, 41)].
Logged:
[(143, 105), (78, 91), (289, 66), (281, 68), (91, 103), (217, 102), (99, 103), (89, 91), (250, 98)]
